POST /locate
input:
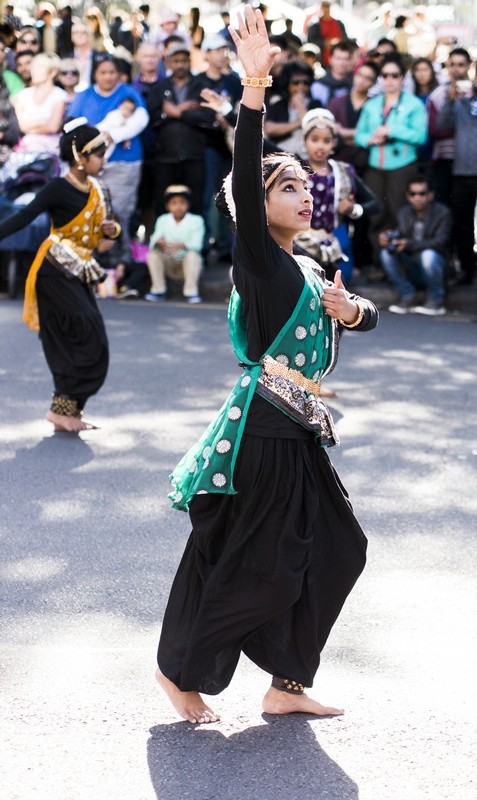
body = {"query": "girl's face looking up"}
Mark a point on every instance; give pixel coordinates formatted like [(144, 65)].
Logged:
[(289, 205)]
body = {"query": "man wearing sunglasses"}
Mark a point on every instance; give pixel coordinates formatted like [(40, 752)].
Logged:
[(28, 39), (414, 255)]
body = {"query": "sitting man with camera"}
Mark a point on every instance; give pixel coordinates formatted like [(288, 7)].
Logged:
[(414, 256)]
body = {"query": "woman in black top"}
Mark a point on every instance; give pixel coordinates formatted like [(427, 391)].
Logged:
[(59, 297), (275, 548)]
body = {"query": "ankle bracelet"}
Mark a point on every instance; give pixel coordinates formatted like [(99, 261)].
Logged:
[(286, 685), (65, 406)]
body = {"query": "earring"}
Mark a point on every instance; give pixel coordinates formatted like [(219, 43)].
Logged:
[(78, 163)]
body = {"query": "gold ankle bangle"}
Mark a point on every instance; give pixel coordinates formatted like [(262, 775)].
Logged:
[(286, 685), (65, 406)]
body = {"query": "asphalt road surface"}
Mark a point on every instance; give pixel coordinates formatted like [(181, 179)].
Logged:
[(89, 546)]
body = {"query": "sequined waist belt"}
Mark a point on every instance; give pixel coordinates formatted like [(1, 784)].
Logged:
[(298, 397), (74, 260), (275, 369)]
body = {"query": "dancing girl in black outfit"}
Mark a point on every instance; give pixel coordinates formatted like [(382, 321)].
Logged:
[(59, 292), (275, 548)]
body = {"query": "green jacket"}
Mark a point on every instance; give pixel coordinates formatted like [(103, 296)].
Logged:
[(407, 122)]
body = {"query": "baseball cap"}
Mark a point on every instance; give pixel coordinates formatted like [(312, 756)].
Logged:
[(178, 47), (214, 41), (309, 47)]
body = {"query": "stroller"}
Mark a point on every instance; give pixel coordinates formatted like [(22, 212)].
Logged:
[(20, 178)]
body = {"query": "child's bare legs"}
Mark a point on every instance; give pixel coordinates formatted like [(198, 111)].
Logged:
[(189, 705), (291, 701)]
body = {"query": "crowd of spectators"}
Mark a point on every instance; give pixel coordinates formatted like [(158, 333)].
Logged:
[(166, 90)]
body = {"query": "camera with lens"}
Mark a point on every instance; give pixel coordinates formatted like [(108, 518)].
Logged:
[(393, 237)]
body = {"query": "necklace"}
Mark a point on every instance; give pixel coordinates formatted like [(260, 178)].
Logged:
[(83, 187)]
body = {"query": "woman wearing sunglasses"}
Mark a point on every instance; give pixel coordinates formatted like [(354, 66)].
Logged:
[(392, 126), (40, 108), (68, 79), (284, 117)]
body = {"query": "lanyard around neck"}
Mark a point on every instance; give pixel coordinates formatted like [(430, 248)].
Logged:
[(394, 107)]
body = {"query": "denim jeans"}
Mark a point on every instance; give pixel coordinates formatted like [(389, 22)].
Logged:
[(423, 270)]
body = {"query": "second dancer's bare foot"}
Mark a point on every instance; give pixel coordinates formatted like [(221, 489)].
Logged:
[(276, 702), (189, 705), (61, 422)]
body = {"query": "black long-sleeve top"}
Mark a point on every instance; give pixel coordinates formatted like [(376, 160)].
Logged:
[(268, 279), (62, 201)]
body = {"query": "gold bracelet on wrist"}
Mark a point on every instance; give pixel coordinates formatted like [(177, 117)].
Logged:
[(117, 231), (257, 83), (357, 321)]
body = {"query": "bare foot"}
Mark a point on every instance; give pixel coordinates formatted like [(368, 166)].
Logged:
[(328, 393), (276, 702), (189, 705), (71, 424)]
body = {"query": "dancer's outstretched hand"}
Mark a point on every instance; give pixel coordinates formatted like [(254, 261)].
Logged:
[(253, 47)]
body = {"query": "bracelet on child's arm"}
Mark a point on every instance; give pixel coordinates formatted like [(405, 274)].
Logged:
[(257, 83), (357, 321)]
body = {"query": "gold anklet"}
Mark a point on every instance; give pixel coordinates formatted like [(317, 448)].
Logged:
[(65, 406), (286, 685)]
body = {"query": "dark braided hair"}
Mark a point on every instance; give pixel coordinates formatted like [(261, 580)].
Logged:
[(81, 136)]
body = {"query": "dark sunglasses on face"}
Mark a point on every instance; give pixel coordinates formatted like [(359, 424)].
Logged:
[(70, 72), (302, 81), (28, 41), (391, 74), (418, 194)]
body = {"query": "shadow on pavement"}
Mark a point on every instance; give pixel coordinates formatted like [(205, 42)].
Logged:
[(278, 760), (73, 451)]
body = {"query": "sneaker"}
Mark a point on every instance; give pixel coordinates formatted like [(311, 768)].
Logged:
[(126, 292), (194, 298), (431, 308), (155, 297), (403, 307)]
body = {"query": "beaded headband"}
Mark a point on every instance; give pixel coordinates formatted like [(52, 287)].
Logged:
[(227, 184), (98, 141), (287, 164), (318, 118)]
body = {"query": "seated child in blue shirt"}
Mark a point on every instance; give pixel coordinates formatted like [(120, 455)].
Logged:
[(175, 247)]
